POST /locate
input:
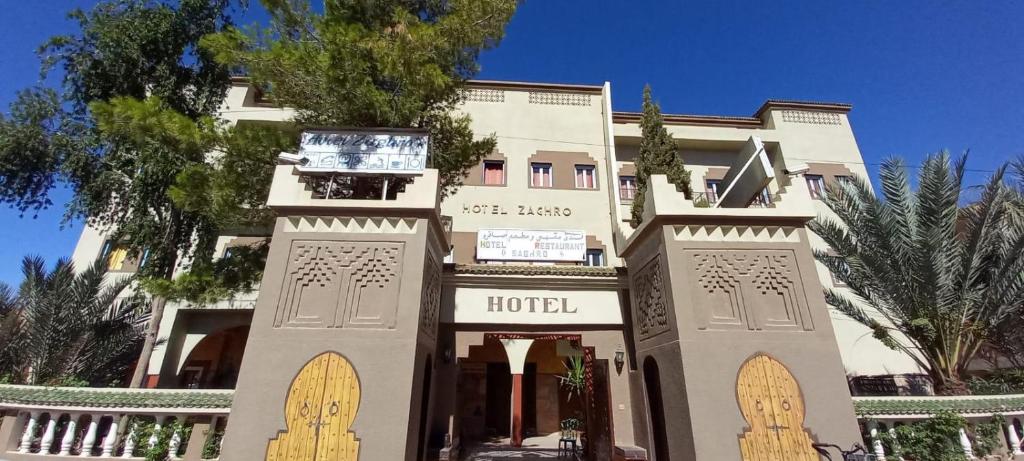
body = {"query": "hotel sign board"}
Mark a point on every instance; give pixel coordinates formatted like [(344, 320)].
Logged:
[(354, 151), (534, 307), (531, 245)]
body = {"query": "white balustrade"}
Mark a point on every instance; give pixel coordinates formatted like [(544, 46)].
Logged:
[(89, 440), (1012, 439), (965, 443), (129, 442), (110, 441), (69, 435), (54, 433), (876, 443), (157, 426), (51, 431), (30, 431), (175, 442)]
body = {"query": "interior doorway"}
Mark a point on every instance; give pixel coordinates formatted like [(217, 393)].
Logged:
[(656, 408), (499, 396)]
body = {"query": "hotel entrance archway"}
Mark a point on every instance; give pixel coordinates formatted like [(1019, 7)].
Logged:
[(509, 393)]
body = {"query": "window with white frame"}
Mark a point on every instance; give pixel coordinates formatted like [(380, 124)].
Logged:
[(815, 185), (594, 258), (627, 187), (540, 175), (586, 177)]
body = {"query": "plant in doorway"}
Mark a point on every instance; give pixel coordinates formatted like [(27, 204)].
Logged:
[(573, 381)]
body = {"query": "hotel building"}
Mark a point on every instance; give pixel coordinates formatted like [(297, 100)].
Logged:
[(409, 327)]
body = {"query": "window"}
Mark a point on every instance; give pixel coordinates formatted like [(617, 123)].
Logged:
[(627, 187), (594, 258), (116, 255), (816, 185), (540, 175), (494, 173), (712, 187), (762, 200), (585, 177)]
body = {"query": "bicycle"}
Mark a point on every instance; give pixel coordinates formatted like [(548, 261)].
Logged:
[(856, 453)]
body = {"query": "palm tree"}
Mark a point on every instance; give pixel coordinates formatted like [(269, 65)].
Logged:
[(62, 326), (945, 277)]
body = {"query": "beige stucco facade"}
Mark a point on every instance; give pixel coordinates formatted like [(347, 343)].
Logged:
[(424, 336)]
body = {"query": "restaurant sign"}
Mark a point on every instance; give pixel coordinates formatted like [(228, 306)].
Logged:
[(531, 245), (397, 152)]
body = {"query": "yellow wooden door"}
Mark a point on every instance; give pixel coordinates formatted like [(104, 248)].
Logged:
[(321, 405), (770, 400)]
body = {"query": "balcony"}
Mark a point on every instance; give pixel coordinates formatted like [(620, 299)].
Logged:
[(42, 423)]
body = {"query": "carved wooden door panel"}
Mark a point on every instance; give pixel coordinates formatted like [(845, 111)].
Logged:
[(770, 400), (322, 403)]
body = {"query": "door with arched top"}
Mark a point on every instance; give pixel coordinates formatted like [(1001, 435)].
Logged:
[(773, 406), (321, 405)]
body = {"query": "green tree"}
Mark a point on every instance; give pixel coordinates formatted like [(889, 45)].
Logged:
[(125, 51), (658, 154), (946, 277), (65, 327), (388, 63)]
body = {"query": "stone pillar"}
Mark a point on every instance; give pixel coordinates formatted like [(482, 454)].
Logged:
[(719, 297), (110, 440), (89, 441), (46, 442), (69, 435), (130, 440), (30, 430), (158, 424), (965, 443), (1012, 439), (516, 350), (876, 443), (354, 285), (197, 440)]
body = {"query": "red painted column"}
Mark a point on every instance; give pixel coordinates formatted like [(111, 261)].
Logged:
[(517, 410)]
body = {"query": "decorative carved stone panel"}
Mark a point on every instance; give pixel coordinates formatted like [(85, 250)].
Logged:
[(340, 285), (749, 289), (430, 302), (650, 314)]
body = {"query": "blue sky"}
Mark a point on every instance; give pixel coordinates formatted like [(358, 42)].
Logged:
[(921, 75)]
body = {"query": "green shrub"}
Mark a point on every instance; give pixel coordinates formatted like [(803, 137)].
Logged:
[(934, 439)]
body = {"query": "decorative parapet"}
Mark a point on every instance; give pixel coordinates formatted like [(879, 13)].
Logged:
[(880, 414), (117, 399), (662, 201), (289, 190), (924, 407)]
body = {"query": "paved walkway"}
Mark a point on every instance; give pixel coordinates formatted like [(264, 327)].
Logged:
[(499, 450)]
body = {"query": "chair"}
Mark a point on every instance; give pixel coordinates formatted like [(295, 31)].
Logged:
[(567, 440)]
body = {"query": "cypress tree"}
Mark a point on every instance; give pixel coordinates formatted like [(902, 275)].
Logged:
[(658, 155)]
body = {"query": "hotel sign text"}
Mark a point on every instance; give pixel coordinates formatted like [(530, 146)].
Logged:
[(531, 245), (481, 305), (364, 151), (520, 210)]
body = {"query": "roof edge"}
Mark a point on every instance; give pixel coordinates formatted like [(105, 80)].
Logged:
[(515, 85), (802, 105), (686, 119)]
